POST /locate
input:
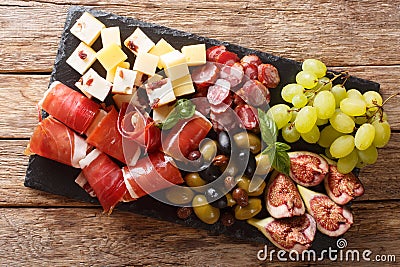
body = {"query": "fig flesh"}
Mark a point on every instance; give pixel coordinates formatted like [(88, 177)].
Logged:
[(332, 219), (307, 168), (282, 197), (295, 233)]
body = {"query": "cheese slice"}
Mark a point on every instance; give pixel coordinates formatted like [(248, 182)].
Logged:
[(138, 41), (195, 54), (87, 28), (146, 63), (125, 81), (92, 83), (111, 73), (160, 93), (172, 58), (178, 71), (119, 99), (110, 56), (111, 35), (82, 58), (183, 86), (160, 114), (162, 47)]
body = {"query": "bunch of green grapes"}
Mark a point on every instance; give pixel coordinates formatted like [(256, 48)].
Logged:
[(348, 124)]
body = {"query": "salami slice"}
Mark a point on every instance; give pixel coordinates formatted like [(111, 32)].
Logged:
[(250, 71), (268, 75), (251, 59), (254, 93), (218, 92), (205, 75), (227, 58), (233, 74), (213, 52), (248, 116)]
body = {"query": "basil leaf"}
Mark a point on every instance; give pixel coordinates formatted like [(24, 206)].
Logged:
[(282, 146), (281, 162), (170, 121), (268, 128)]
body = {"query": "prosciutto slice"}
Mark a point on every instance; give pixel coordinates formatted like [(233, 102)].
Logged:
[(70, 107), (53, 140), (105, 178)]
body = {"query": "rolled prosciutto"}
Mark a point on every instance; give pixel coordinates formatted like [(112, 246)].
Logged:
[(105, 178), (150, 174), (69, 106), (53, 140)]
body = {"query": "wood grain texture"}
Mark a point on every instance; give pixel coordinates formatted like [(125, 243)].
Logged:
[(338, 32), (65, 237)]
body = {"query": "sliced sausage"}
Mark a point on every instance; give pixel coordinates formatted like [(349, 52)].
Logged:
[(248, 116), (205, 75), (218, 92), (254, 93), (227, 58), (214, 51), (251, 59), (233, 74), (250, 71), (268, 75)]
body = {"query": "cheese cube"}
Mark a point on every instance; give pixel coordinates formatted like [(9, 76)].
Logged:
[(111, 56), (146, 63), (195, 54), (172, 59), (155, 78), (160, 114), (119, 99), (125, 80), (139, 42), (162, 47), (160, 93), (183, 86), (94, 84), (82, 58), (111, 36), (111, 73), (87, 28), (178, 71)]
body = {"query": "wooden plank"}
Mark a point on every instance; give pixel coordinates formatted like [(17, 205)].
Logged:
[(338, 33), (60, 237), (380, 180)]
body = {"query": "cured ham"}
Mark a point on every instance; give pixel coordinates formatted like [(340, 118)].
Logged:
[(105, 178), (70, 107), (150, 174), (53, 140)]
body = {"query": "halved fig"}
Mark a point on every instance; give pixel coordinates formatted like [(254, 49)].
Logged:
[(295, 233), (282, 197), (307, 168), (342, 188), (332, 219)]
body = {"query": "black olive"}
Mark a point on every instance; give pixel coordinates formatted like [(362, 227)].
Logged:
[(251, 166), (220, 203), (216, 198), (211, 173), (224, 143)]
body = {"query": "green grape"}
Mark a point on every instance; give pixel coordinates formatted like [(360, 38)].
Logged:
[(354, 93), (364, 136), (328, 153), (360, 120), (382, 133), (290, 134), (368, 156), (315, 66), (378, 116), (342, 146), (353, 106), (342, 122), (372, 99), (291, 90), (347, 164), (307, 79), (299, 101), (294, 115), (305, 119), (326, 84), (324, 102), (321, 122), (339, 92), (280, 114), (311, 136), (328, 135)]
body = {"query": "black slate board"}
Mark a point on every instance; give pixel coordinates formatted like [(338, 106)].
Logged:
[(47, 175)]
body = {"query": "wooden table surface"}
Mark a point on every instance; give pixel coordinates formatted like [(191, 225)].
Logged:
[(37, 228)]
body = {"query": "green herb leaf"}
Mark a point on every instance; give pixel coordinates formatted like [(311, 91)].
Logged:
[(268, 128), (281, 162), (185, 108), (282, 146), (170, 122)]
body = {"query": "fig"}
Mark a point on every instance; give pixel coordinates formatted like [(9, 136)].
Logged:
[(282, 197), (295, 233), (342, 188), (307, 168), (332, 219)]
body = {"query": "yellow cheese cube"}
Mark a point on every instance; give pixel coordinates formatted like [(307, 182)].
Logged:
[(154, 78), (82, 58), (162, 47), (120, 99), (195, 54), (146, 63), (87, 28), (111, 36), (139, 42), (178, 71), (172, 59), (183, 86), (160, 114), (111, 73), (111, 56)]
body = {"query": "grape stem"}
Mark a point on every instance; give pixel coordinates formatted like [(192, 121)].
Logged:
[(380, 108), (335, 76)]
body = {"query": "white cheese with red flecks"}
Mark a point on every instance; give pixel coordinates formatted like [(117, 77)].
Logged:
[(91, 82), (138, 41), (82, 58), (160, 92), (87, 28), (125, 80)]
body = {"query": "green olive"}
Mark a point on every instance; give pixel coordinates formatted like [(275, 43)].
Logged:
[(248, 140), (179, 195), (244, 183), (260, 189), (231, 202), (204, 211), (208, 150), (251, 210), (263, 164), (194, 180)]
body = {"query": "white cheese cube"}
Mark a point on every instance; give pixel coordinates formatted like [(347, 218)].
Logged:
[(111, 73), (111, 36), (139, 42), (172, 59), (177, 71), (183, 86), (160, 114), (82, 58), (87, 28), (160, 93), (195, 54), (119, 99), (94, 84), (125, 81), (146, 63), (162, 47)]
